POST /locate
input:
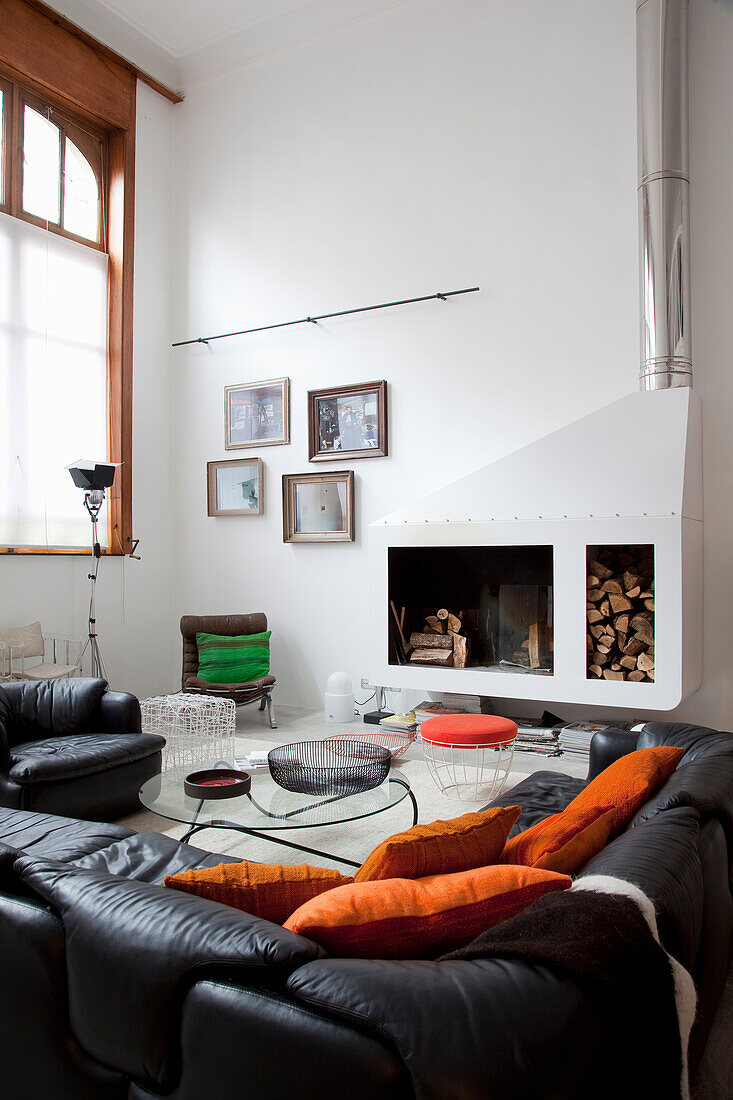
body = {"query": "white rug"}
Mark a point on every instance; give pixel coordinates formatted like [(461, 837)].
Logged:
[(356, 839)]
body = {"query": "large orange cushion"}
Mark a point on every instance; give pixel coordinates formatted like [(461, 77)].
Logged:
[(626, 784), (562, 842), (472, 840), (268, 890), (468, 729), (419, 918)]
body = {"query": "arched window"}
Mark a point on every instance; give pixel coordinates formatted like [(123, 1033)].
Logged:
[(54, 370), (61, 174)]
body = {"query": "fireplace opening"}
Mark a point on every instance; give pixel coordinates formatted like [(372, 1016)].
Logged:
[(479, 607), (620, 613)]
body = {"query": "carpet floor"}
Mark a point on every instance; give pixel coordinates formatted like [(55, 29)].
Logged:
[(354, 840)]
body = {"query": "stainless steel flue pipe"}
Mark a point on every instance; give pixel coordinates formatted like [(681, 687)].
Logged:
[(664, 192)]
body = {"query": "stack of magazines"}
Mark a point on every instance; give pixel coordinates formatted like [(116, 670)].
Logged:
[(431, 709), (539, 736), (399, 723), (575, 737)]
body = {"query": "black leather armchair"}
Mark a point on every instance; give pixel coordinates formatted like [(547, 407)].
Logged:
[(73, 747)]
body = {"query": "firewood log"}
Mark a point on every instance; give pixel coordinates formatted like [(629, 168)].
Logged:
[(442, 657), (609, 674), (599, 570), (430, 641), (442, 614), (636, 676), (621, 622), (534, 645), (620, 603), (612, 586), (461, 650), (645, 662), (434, 622)]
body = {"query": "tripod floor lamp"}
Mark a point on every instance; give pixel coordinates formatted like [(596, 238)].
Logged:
[(94, 478)]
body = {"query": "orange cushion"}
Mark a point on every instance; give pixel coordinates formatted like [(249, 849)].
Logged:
[(401, 918), (468, 729), (272, 891), (563, 842), (472, 840), (626, 784)]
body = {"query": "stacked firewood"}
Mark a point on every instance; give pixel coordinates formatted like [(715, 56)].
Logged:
[(620, 614), (442, 641)]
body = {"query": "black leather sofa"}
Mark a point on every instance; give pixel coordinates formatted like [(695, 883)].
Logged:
[(116, 987), (73, 747)]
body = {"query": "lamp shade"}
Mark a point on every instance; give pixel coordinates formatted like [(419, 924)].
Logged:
[(339, 698)]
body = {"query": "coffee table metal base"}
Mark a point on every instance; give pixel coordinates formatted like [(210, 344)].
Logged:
[(261, 835)]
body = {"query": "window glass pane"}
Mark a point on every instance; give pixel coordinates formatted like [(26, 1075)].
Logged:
[(81, 197), (41, 166), (2, 146), (53, 382)]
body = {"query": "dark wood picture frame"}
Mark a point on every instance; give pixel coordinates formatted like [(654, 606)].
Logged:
[(212, 496), (295, 532), (324, 421)]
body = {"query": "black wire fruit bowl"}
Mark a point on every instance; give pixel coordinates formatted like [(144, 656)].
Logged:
[(312, 767)]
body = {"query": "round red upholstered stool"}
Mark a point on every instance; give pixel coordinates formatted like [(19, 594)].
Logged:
[(469, 755)]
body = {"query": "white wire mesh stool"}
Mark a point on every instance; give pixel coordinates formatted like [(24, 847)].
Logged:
[(469, 755), (197, 728)]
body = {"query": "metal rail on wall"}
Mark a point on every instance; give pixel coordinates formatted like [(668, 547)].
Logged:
[(441, 296)]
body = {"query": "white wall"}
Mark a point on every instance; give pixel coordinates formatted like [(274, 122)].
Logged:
[(135, 598), (437, 146)]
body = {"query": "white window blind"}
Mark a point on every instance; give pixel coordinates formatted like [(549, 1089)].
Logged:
[(53, 383)]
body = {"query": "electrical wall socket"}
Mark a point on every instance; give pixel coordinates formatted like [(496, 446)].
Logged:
[(366, 684)]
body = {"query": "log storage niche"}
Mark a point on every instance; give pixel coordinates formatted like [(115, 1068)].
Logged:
[(479, 607), (620, 613)]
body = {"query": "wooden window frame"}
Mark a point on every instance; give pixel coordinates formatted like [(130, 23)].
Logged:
[(91, 143), (8, 108), (43, 60)]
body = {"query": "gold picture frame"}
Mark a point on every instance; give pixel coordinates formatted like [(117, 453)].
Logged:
[(257, 414)]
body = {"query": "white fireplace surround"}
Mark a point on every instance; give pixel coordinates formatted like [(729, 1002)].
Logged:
[(642, 484)]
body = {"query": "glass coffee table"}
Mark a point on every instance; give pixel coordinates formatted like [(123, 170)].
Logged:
[(268, 810)]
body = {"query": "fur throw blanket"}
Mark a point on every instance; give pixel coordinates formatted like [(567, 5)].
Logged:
[(602, 934)]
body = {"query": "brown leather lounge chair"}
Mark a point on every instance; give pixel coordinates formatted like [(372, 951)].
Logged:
[(227, 625)]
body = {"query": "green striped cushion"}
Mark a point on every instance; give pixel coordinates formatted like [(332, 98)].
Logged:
[(233, 660)]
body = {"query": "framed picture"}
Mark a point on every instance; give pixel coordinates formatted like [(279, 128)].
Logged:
[(318, 507), (234, 487), (347, 422), (257, 414)]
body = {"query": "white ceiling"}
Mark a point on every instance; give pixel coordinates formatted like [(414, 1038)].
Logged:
[(181, 26), (183, 41)]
